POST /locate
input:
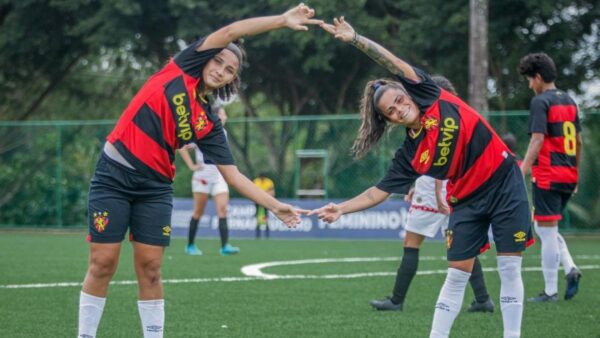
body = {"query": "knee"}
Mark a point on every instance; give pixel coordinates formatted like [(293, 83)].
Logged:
[(150, 271), (222, 211), (465, 266), (102, 267), (509, 267)]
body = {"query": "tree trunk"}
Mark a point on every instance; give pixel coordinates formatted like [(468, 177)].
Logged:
[(478, 55)]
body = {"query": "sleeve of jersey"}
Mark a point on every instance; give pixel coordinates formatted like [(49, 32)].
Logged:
[(400, 176), (424, 93), (215, 147), (577, 123), (538, 116), (191, 61)]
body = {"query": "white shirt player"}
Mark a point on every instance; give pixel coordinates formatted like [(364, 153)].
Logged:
[(208, 179), (423, 215), (424, 195), (209, 172)]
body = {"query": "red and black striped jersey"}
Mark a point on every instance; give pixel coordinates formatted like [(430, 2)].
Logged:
[(454, 143), (166, 114), (554, 114)]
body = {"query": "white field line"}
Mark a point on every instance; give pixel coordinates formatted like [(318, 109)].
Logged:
[(253, 272)]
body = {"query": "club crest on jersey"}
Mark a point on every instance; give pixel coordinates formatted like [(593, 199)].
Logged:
[(201, 123), (430, 123), (520, 236), (166, 230), (100, 220), (424, 157)]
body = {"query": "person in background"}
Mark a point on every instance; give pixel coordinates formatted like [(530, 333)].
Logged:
[(262, 214), (553, 158), (207, 180)]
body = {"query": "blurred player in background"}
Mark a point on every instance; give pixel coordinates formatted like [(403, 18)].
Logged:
[(207, 180), (428, 214), (132, 185), (262, 214), (553, 157), (446, 139)]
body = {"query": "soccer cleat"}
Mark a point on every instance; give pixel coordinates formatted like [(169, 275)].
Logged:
[(229, 250), (573, 278), (193, 250), (487, 306), (385, 305), (543, 297)]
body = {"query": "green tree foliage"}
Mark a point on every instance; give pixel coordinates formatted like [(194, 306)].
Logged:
[(62, 59)]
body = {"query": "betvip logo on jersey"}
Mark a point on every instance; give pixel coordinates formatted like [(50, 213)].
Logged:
[(100, 220)]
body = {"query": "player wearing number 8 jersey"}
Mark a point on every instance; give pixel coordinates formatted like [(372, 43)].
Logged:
[(553, 157)]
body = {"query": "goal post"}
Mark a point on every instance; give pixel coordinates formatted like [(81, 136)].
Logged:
[(311, 173)]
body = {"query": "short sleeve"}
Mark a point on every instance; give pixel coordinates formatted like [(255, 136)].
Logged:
[(215, 147), (577, 122), (400, 176), (538, 115), (191, 61), (424, 93)]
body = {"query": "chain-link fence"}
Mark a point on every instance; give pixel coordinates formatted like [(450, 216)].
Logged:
[(47, 165)]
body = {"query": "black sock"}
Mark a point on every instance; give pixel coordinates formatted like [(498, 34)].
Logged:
[(192, 230), (267, 230), (406, 272), (478, 283), (257, 231), (223, 231)]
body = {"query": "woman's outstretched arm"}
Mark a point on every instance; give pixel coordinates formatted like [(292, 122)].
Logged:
[(343, 31), (296, 18)]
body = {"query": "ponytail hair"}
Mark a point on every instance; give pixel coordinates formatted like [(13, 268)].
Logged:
[(228, 92), (374, 123)]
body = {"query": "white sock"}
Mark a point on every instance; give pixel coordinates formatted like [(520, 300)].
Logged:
[(550, 258), (152, 313), (90, 312), (511, 294), (449, 302), (565, 255)]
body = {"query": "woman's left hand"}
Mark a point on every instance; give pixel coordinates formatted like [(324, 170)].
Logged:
[(340, 29), (298, 17)]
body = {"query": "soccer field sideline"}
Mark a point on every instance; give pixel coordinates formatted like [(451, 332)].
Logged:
[(253, 272)]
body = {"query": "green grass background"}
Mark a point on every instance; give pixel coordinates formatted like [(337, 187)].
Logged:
[(275, 308)]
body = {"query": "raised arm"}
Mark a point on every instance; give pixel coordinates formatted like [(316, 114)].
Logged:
[(296, 18), (369, 198), (343, 31)]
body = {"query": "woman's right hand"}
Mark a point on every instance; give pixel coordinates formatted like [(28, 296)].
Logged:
[(340, 29)]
